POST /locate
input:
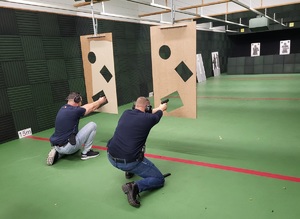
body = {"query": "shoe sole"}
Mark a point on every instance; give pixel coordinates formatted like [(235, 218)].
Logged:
[(129, 199), (125, 189), (51, 156), (89, 157)]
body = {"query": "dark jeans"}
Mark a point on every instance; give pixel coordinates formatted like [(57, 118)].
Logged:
[(152, 177)]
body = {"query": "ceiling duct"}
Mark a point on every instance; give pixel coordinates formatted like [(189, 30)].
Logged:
[(259, 24)]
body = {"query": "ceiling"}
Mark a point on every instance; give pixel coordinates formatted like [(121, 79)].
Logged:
[(214, 15)]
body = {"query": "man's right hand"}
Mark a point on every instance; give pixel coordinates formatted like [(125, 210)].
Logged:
[(102, 99), (90, 107), (163, 107)]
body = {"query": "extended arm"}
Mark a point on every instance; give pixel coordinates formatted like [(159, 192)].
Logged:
[(90, 107), (161, 107)]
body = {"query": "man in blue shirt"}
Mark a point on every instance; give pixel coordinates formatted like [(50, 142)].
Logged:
[(66, 138), (127, 146)]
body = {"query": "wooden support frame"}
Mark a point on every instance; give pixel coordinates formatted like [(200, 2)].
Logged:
[(81, 4)]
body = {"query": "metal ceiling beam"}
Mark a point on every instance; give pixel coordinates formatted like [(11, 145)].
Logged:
[(187, 13), (172, 12), (204, 4), (255, 11), (183, 8), (223, 21), (82, 11)]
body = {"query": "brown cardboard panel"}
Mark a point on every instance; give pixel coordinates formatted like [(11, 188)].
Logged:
[(99, 71), (167, 78)]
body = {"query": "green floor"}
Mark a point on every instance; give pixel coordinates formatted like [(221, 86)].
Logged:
[(245, 125)]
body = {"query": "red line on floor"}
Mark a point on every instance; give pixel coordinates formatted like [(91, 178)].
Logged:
[(242, 98), (262, 78), (248, 98), (227, 168), (204, 164)]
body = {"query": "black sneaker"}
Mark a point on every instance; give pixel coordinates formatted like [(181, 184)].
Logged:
[(128, 175), (132, 191), (89, 154), (52, 157)]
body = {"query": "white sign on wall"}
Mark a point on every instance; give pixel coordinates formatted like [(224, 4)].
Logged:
[(285, 46), (215, 63), (200, 69), (24, 133), (255, 49)]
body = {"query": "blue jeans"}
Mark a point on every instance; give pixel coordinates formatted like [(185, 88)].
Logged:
[(85, 136), (152, 177)]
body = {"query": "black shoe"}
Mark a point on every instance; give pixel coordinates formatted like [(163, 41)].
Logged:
[(52, 157), (128, 175), (132, 191), (89, 154)]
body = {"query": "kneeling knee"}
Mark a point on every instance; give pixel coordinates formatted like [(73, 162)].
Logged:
[(93, 124)]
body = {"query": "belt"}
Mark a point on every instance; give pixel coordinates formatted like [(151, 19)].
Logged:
[(60, 145), (121, 160)]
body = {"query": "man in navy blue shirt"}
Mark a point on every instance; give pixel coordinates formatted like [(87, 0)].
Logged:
[(127, 146), (67, 139)]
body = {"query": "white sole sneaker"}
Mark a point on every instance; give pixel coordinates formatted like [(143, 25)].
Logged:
[(51, 156), (86, 157)]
